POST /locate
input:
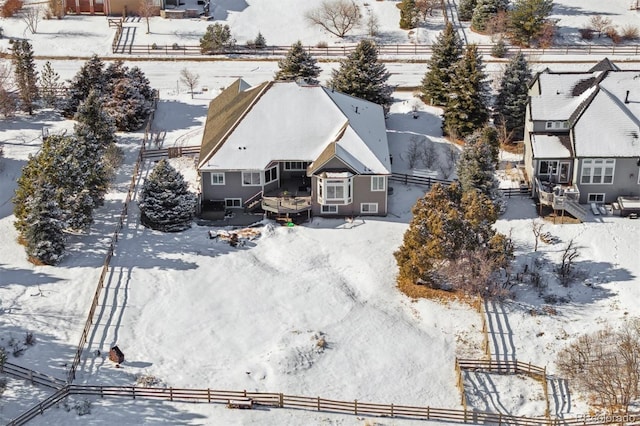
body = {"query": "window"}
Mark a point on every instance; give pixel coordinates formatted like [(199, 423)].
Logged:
[(217, 178), (377, 183), (369, 208), (547, 167), (595, 198), (549, 124), (296, 165), (271, 174), (556, 125), (327, 208), (598, 171), (233, 202), (336, 190), (251, 179)]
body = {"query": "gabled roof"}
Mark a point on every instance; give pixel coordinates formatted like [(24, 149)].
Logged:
[(283, 121), (604, 65)]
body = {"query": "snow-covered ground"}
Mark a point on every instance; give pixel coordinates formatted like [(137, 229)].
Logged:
[(193, 312)]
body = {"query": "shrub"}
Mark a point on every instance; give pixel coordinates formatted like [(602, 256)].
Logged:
[(154, 46), (322, 45), (499, 49), (612, 33), (175, 46), (628, 32), (10, 8), (586, 33)]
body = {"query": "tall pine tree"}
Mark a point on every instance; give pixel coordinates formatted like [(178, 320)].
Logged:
[(511, 102), (50, 86), (362, 76), (484, 11), (466, 109), (465, 9), (446, 222), (445, 53), (476, 167), (89, 77), (527, 18), (43, 236), (408, 14), (26, 75), (298, 63), (166, 203)]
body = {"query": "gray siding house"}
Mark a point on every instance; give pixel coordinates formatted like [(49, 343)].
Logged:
[(582, 137), (294, 149)]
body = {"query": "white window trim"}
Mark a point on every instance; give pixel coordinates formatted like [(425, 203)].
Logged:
[(378, 187), (218, 174), (548, 125), (370, 211), (329, 209), (548, 161), (594, 195), (347, 184), (603, 164), (239, 200), (259, 173)]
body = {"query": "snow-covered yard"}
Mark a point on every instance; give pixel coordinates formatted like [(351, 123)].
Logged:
[(194, 312)]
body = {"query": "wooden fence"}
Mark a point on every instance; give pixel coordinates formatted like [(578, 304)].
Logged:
[(507, 367), (280, 400), (345, 49), (114, 239), (32, 376), (429, 182)]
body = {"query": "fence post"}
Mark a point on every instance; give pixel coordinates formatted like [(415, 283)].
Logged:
[(281, 401), (428, 415), (392, 409), (31, 376), (101, 392), (171, 394), (355, 406), (209, 395), (499, 418), (318, 403), (133, 392), (245, 393)]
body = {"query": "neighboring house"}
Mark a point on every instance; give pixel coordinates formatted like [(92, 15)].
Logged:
[(581, 138), (294, 149), (108, 7)]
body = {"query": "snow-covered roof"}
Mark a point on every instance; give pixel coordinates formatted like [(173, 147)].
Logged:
[(561, 95), (287, 121), (609, 127), (549, 146)]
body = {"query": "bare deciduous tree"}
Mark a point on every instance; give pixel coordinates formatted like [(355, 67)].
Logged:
[(413, 152), (449, 165), (426, 7), (600, 24), (565, 269), (428, 154), (336, 16), (606, 364), (373, 24), (190, 79), (147, 9), (536, 228), (8, 102), (31, 17)]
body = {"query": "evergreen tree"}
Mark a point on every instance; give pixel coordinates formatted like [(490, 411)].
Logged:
[(466, 109), (260, 42), (43, 236), (140, 80), (484, 11), (465, 9), (445, 223), (476, 168), (362, 76), (445, 53), (298, 63), (527, 19), (408, 14), (216, 38), (127, 105), (26, 75), (511, 102), (26, 187), (92, 117), (50, 86), (89, 77), (166, 203)]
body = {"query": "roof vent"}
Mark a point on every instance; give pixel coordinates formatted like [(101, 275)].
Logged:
[(626, 98)]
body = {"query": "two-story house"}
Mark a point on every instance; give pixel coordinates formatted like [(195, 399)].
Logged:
[(582, 136), (293, 148)]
